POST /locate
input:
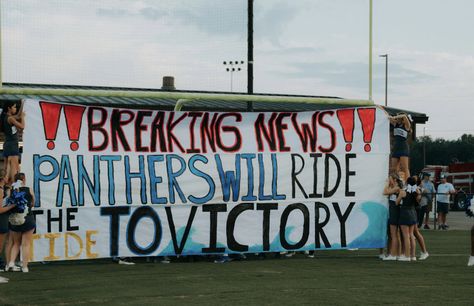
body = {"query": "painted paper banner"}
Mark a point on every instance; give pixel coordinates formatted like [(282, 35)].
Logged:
[(121, 182)]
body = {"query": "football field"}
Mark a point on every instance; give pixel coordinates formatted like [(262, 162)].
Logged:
[(333, 277)]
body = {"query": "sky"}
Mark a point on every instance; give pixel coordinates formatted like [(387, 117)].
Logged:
[(314, 47)]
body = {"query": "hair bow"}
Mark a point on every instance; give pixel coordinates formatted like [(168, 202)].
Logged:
[(411, 188), (17, 184)]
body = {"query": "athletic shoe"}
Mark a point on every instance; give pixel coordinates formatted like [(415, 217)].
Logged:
[(310, 255), (25, 270), (3, 280), (125, 261), (403, 258), (423, 256), (470, 263), (223, 259), (389, 258), (426, 226), (290, 254), (382, 256), (413, 258), (12, 268), (241, 257), (165, 260)]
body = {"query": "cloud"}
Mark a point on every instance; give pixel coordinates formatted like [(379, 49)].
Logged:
[(211, 17), (282, 51), (229, 17), (271, 22), (112, 12), (353, 74), (153, 13)]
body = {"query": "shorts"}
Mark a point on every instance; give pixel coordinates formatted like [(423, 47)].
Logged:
[(426, 204), (442, 207), (423, 201), (4, 223), (11, 149)]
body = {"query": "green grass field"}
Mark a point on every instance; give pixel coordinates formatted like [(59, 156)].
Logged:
[(333, 277)]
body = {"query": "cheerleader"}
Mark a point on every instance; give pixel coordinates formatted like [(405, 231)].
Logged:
[(11, 122), (22, 226), (4, 229), (392, 189), (400, 152), (407, 200)]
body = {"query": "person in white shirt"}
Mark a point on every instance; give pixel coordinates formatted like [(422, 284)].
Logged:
[(444, 191)]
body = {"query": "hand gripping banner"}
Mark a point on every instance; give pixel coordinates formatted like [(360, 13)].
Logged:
[(121, 182)]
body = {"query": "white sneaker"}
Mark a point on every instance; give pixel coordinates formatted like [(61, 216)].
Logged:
[(3, 280), (382, 256), (470, 263), (125, 262), (25, 270), (12, 267), (390, 257), (423, 256), (403, 258), (413, 259), (290, 254)]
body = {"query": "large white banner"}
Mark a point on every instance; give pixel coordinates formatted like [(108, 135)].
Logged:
[(122, 182)]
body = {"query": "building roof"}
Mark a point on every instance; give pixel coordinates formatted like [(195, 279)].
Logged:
[(207, 101)]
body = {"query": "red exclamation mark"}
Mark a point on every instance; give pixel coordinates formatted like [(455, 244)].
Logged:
[(367, 118), (50, 113), (73, 123), (346, 118)]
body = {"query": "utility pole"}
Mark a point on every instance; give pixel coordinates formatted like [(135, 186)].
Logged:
[(250, 52)]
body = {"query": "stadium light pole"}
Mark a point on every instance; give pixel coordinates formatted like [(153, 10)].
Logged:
[(386, 77), (232, 66), (370, 49)]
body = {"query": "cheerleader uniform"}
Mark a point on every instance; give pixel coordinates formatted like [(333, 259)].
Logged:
[(10, 146), (407, 209), (29, 218), (400, 143), (393, 210), (4, 220)]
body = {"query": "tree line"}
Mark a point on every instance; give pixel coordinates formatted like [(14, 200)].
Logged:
[(428, 151)]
